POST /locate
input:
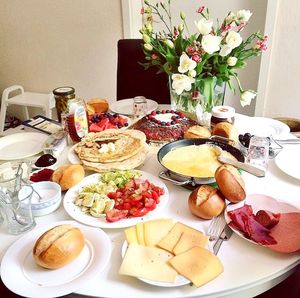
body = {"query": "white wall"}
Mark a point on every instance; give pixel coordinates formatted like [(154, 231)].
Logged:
[(50, 43), (283, 95)]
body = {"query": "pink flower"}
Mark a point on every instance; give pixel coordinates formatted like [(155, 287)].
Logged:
[(175, 34), (190, 50), (200, 9), (196, 95), (261, 45), (196, 57), (225, 28), (142, 10), (154, 56), (241, 26)]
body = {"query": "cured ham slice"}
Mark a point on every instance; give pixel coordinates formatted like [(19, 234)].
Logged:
[(286, 233), (244, 220), (267, 218)]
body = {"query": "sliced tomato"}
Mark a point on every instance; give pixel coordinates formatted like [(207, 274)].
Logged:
[(159, 190), (150, 204), (155, 196), (137, 212), (116, 215)]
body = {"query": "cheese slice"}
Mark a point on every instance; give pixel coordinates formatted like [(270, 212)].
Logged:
[(168, 243), (149, 263), (131, 235), (198, 265), (156, 230), (140, 233), (189, 240)]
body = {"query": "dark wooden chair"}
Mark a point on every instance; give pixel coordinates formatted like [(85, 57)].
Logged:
[(133, 80)]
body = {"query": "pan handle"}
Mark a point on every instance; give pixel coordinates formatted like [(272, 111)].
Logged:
[(165, 176)]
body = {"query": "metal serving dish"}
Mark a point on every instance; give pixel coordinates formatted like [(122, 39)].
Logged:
[(180, 179)]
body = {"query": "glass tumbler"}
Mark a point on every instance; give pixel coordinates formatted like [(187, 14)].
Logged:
[(15, 204), (139, 108), (258, 152)]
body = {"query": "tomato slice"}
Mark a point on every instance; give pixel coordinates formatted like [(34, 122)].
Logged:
[(137, 212), (150, 204), (116, 215)]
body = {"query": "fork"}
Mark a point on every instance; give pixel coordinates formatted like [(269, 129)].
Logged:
[(215, 228)]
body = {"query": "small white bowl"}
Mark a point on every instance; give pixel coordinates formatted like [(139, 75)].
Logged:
[(50, 193)]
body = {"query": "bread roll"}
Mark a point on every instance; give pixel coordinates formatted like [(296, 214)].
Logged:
[(58, 247), (226, 130), (97, 105), (230, 183), (196, 132), (206, 202), (68, 175)]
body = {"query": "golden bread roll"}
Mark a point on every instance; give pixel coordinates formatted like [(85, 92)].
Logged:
[(97, 105), (230, 183), (196, 132), (206, 202), (68, 175), (58, 246), (226, 130)]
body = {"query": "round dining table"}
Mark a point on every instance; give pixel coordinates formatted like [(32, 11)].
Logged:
[(249, 269)]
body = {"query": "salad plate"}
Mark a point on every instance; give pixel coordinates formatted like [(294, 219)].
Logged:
[(288, 161), (260, 126), (21, 274), (21, 145), (76, 213)]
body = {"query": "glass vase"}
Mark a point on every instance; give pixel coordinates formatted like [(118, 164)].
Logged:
[(206, 92)]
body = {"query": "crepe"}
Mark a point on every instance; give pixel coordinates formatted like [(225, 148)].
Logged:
[(111, 145), (128, 164)]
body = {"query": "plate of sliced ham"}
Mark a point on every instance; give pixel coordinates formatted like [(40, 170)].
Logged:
[(266, 221)]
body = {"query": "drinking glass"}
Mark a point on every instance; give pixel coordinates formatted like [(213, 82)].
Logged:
[(139, 108), (258, 152), (15, 203)]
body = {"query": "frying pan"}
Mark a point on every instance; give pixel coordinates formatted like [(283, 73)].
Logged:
[(180, 179)]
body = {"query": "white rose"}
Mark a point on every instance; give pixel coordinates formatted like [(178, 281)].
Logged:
[(246, 97), (181, 82), (233, 39), (186, 63), (231, 61), (243, 15), (230, 18), (148, 47), (204, 26), (169, 43), (192, 73), (211, 43), (225, 50)]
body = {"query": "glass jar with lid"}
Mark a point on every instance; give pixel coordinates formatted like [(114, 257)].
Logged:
[(77, 119), (222, 114), (62, 95)]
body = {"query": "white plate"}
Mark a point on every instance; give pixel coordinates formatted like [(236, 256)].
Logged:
[(261, 126), (72, 156), (288, 161), (21, 145), (24, 277), (259, 202), (75, 212), (124, 106), (180, 280)]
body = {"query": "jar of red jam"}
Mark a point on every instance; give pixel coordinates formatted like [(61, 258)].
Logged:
[(222, 114)]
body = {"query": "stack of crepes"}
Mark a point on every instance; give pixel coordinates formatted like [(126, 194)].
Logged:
[(112, 149)]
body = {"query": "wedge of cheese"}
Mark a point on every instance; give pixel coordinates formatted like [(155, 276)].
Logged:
[(140, 233), (131, 235), (198, 265), (155, 230), (189, 240), (149, 263), (168, 243)]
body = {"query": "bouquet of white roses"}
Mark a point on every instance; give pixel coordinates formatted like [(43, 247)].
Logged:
[(205, 58)]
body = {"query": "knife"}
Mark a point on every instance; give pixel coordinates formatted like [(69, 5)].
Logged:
[(224, 236), (244, 166)]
